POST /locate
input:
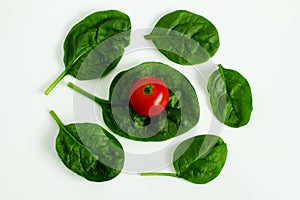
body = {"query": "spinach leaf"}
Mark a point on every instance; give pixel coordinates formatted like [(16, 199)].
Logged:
[(181, 114), (95, 45), (198, 160), (89, 150), (230, 97), (185, 38)]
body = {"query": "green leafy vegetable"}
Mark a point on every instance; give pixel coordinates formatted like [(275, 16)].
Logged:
[(89, 150), (198, 160), (95, 45), (181, 114), (230, 97), (185, 38)]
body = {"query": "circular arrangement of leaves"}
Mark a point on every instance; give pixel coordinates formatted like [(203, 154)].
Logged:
[(95, 46)]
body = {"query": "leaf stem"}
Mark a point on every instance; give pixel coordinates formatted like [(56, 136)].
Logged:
[(87, 94), (56, 81), (56, 118), (147, 37), (158, 174)]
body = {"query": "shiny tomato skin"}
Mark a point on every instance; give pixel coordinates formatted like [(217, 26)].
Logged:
[(149, 96)]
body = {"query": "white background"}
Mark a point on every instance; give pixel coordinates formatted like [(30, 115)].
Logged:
[(259, 38)]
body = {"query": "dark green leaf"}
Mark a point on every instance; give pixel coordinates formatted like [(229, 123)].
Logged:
[(198, 160), (89, 150), (95, 45), (181, 114), (185, 38), (230, 97)]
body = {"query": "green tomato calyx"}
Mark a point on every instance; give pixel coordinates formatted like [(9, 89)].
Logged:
[(148, 89)]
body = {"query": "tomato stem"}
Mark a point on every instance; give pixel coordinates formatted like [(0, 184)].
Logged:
[(148, 89)]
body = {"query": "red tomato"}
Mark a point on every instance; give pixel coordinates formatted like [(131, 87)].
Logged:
[(148, 96)]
